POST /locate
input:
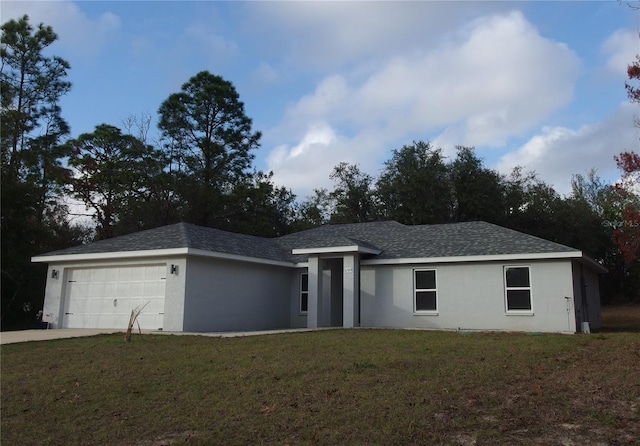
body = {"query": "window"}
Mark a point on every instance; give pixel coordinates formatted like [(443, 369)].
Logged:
[(517, 288), (425, 293), (304, 292)]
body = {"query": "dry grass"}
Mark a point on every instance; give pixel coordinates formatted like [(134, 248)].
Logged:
[(133, 319), (621, 318), (374, 387)]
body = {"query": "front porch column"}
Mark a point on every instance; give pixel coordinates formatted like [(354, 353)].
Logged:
[(314, 301), (351, 291)]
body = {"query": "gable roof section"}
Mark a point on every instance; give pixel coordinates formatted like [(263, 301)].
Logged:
[(379, 242), (370, 236), (181, 236), (477, 238), (398, 241)]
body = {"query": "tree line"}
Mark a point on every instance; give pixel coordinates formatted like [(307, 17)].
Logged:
[(199, 169)]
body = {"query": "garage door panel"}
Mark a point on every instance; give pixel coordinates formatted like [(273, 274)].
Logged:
[(80, 289), (111, 274), (95, 305), (102, 320), (137, 288), (97, 290), (77, 306), (137, 303), (154, 271), (128, 274), (146, 320), (150, 289), (84, 275), (91, 319), (111, 289), (124, 274), (99, 274), (122, 289), (104, 297)]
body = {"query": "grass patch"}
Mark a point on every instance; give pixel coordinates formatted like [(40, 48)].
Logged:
[(617, 318), (384, 387)]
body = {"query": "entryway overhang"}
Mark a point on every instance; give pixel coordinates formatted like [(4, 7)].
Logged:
[(349, 255), (336, 250)]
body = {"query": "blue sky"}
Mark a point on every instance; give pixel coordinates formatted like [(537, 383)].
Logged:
[(534, 84)]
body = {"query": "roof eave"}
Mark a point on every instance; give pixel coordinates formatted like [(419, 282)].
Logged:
[(154, 253), (149, 253), (239, 258), (476, 258), (336, 249), (586, 260)]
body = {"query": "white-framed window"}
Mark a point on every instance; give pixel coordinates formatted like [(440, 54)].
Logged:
[(304, 293), (425, 292), (517, 289)]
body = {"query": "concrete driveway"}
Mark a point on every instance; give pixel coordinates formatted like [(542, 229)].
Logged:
[(11, 337)]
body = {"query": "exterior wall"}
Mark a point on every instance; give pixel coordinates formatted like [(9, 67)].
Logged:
[(470, 296), (223, 295), (587, 308), (593, 297), (298, 319), (331, 303), (324, 315), (53, 296), (335, 292), (174, 296), (53, 309), (226, 295)]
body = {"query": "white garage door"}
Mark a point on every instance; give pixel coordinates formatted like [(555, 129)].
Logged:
[(104, 297)]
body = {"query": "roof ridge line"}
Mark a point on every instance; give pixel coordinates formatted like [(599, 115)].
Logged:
[(184, 233)]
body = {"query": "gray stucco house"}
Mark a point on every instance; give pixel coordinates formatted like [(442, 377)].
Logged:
[(468, 276)]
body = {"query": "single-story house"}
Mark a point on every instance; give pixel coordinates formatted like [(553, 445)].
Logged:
[(467, 276)]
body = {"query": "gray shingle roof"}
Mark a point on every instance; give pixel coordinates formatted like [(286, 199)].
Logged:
[(397, 241), (394, 240), (184, 235)]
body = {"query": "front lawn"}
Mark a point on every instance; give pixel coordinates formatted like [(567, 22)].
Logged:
[(337, 387)]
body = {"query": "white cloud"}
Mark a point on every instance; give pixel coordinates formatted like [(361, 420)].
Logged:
[(307, 165), (621, 48), (558, 152), (494, 79), (331, 94), (326, 35), (79, 35), (497, 80)]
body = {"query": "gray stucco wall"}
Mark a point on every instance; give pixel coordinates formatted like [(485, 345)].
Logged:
[(331, 311), (589, 310), (593, 296), (174, 295), (470, 297), (298, 319), (227, 295), (53, 296)]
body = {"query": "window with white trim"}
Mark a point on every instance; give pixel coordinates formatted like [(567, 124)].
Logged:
[(304, 292), (425, 293), (517, 287)]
